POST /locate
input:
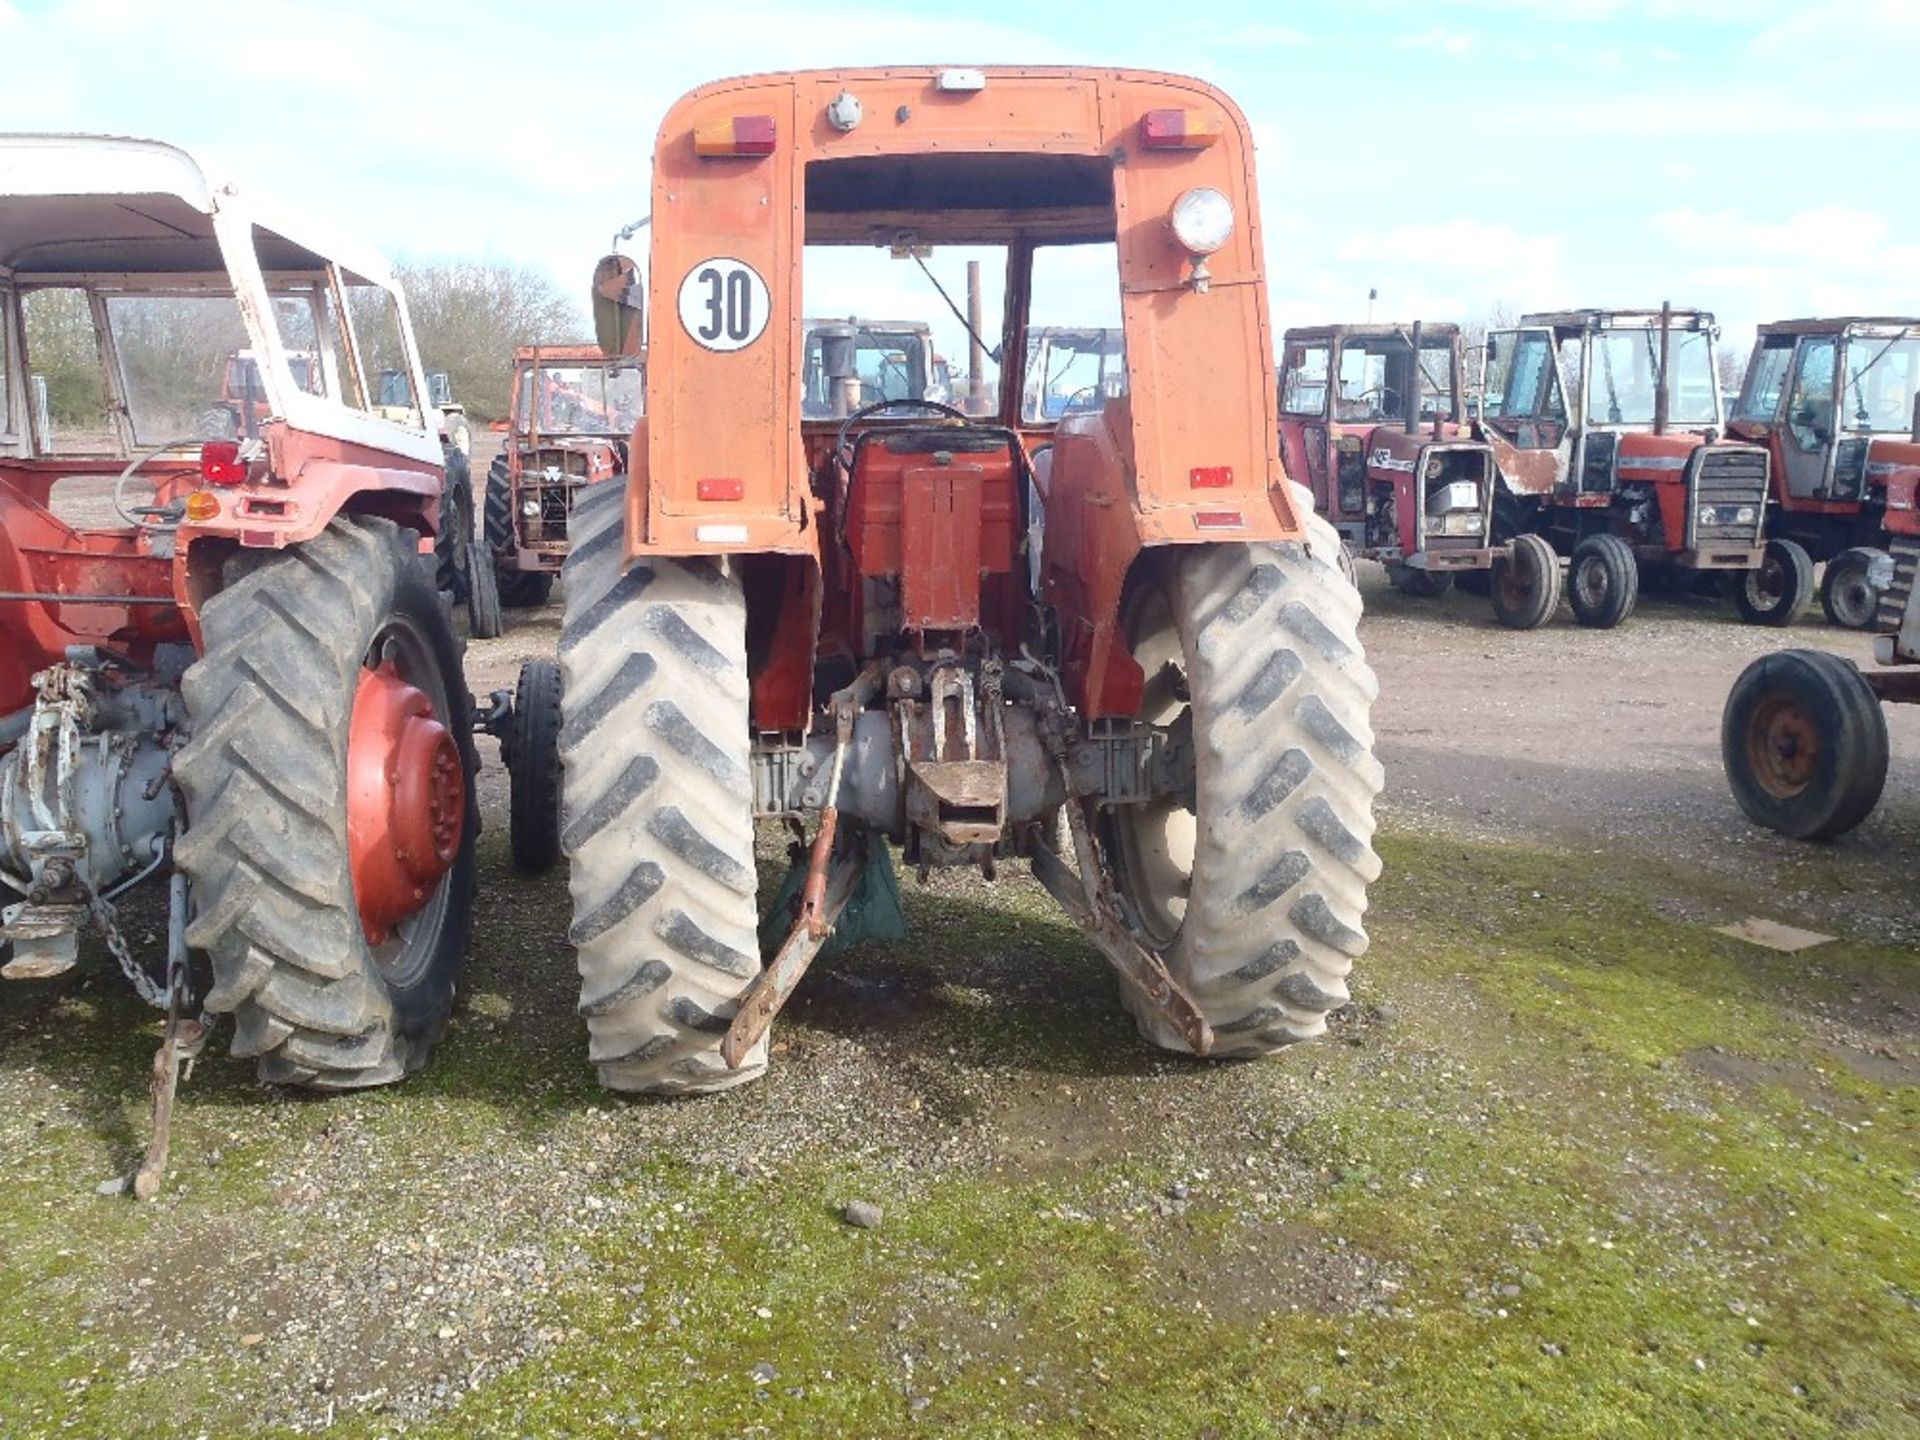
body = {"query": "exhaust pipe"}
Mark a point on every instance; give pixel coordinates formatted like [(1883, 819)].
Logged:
[(1662, 395), (1412, 397)]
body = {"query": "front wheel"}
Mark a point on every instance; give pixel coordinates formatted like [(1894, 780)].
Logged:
[(532, 750), (1252, 888), (1804, 743), (330, 808), (1525, 584), (1848, 593), (1603, 581), (1779, 589)]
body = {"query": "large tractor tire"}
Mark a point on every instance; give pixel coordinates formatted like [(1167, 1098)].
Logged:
[(532, 749), (1254, 896), (656, 806), (331, 816), (1525, 587), (1779, 589), (1603, 581), (1804, 742), (1848, 593), (519, 589)]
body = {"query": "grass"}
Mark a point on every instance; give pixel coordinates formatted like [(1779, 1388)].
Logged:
[(1521, 1192)]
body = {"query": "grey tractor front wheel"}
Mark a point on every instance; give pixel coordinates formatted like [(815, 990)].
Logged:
[(656, 806), (1252, 890)]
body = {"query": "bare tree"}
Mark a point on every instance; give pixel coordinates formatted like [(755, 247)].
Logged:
[(469, 315), (1732, 366)]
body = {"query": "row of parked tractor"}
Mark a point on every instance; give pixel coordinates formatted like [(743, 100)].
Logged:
[(1599, 440), (1076, 614)]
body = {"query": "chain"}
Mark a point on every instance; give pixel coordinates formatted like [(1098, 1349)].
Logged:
[(108, 919)]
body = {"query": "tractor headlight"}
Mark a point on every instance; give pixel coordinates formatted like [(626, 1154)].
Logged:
[(1460, 522), (1202, 220), (530, 507)]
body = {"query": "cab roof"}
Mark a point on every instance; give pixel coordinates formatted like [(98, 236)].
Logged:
[(566, 355), (1603, 319), (1373, 330), (1841, 325)]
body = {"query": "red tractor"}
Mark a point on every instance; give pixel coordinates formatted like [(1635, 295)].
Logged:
[(1606, 428), (573, 411), (1835, 460), (223, 660), (1372, 417), (831, 623)]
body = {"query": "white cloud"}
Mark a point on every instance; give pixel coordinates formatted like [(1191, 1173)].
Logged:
[(1446, 42)]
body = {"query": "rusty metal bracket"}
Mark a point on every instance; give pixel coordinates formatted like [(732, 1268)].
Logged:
[(775, 985), (1089, 901)]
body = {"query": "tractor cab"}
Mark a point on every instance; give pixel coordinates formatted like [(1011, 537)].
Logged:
[(1372, 417), (851, 363), (1830, 451), (1072, 372), (1608, 423)]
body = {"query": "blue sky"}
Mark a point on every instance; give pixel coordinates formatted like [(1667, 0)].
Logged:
[(1459, 155)]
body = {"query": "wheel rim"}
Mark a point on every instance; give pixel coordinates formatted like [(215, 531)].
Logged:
[(1783, 746), (1590, 583), (1855, 599), (1767, 583), (1155, 841), (406, 800)]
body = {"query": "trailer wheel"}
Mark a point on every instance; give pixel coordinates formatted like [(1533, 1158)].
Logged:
[(1804, 742), (1603, 581), (532, 750), (1525, 585), (656, 813), (1848, 593), (519, 589), (451, 551), (1779, 589), (1418, 584), (1254, 894), (330, 808)]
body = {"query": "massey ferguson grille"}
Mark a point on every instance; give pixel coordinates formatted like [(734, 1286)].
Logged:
[(1905, 550), (1730, 497), (551, 477)]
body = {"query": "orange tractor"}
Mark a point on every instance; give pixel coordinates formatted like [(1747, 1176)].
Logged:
[(1835, 460), (572, 412), (223, 662), (1373, 417), (1606, 426), (830, 623)]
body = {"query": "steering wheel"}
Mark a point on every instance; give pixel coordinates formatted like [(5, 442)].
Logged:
[(1083, 400), (867, 411)]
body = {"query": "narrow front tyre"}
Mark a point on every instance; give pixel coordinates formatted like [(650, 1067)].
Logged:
[(1848, 593), (1524, 584), (1779, 589), (1603, 581), (1804, 743)]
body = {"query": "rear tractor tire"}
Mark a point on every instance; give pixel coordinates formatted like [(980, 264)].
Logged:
[(1779, 589), (1525, 586), (519, 589), (331, 817), (657, 806), (532, 750), (1254, 896), (1603, 581), (1848, 593), (453, 567), (1804, 742)]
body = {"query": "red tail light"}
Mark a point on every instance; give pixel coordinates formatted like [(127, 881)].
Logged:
[(1211, 477), (220, 463), (721, 489), (1178, 129), (734, 135)]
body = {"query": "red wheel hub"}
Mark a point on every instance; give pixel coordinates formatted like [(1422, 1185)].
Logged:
[(406, 800)]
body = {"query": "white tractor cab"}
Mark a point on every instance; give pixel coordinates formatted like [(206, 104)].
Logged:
[(1072, 371), (454, 426), (852, 363)]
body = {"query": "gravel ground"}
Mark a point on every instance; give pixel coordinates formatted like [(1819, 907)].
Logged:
[(499, 1248)]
